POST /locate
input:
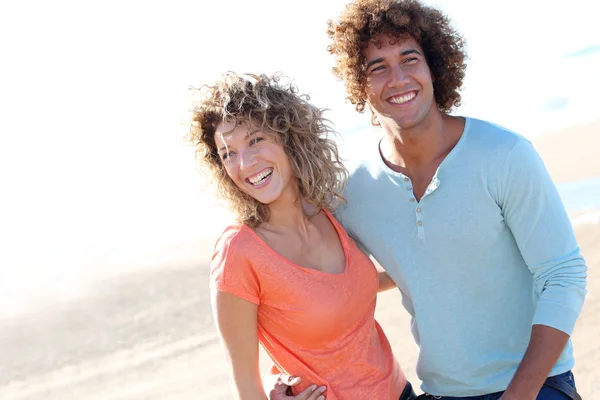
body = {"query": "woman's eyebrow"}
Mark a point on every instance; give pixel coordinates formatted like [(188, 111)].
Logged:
[(250, 133)]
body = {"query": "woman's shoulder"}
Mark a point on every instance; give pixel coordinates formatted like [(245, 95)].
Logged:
[(235, 238), (232, 267), (233, 250)]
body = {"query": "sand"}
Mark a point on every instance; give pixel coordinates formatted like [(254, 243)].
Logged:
[(149, 334), (571, 154)]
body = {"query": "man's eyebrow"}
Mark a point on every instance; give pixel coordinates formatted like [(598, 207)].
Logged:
[(373, 62), (404, 53), (410, 51)]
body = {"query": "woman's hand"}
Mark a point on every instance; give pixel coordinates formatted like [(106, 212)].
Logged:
[(284, 382)]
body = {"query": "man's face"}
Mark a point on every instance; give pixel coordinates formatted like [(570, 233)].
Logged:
[(399, 84)]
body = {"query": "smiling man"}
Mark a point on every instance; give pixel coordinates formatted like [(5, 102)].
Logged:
[(460, 212)]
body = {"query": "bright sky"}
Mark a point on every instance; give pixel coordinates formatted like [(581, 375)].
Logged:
[(92, 167)]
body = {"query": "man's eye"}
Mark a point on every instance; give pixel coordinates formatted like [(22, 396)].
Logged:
[(411, 60), (378, 68)]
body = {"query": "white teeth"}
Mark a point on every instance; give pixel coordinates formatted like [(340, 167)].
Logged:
[(255, 180), (403, 99)]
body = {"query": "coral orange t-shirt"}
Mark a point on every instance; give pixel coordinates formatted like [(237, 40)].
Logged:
[(314, 325)]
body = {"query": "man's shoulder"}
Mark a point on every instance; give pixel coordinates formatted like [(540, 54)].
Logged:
[(360, 157), (364, 172), (494, 138)]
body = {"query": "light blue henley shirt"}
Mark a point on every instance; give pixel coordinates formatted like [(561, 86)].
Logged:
[(488, 251)]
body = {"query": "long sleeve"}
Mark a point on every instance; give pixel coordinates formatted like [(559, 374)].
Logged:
[(535, 214)]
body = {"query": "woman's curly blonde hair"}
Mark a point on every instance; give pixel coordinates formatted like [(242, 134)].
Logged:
[(362, 20), (265, 103)]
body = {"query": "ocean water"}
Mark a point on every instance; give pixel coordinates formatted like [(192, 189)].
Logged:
[(582, 200), (580, 196)]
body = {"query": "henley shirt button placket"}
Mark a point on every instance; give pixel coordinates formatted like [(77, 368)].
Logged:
[(409, 188), (419, 218)]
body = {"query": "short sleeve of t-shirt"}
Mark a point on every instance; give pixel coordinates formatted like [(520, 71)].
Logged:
[(231, 270)]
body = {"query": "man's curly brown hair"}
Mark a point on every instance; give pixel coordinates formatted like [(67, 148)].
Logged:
[(263, 102), (362, 20)]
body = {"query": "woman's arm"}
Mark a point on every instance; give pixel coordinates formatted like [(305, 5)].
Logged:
[(236, 321)]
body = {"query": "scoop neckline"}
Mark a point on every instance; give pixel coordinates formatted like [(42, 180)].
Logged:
[(341, 237)]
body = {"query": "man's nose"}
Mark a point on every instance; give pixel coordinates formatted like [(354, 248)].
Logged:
[(398, 76)]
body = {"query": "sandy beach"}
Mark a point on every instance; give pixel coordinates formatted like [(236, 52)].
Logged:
[(148, 334), (571, 154)]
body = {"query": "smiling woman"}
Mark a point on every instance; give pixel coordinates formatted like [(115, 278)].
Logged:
[(238, 121), (288, 276), (256, 162)]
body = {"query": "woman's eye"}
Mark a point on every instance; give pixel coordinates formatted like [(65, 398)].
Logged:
[(256, 140), (225, 156)]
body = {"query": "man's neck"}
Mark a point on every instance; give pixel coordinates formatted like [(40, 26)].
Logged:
[(419, 145)]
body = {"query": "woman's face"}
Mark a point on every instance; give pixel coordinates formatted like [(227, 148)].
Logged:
[(255, 161)]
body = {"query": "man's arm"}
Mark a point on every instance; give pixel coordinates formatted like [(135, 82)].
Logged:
[(545, 346), (540, 225), (385, 280)]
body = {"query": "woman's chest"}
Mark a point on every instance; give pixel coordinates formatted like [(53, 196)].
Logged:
[(318, 307), (322, 251)]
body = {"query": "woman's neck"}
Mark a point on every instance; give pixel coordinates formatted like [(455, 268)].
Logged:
[(290, 213), (293, 216)]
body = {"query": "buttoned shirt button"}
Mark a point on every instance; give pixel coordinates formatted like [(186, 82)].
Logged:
[(420, 223), (418, 210), (412, 200), (409, 188), (406, 179)]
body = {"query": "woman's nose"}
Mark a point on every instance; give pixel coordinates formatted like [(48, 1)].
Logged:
[(247, 159)]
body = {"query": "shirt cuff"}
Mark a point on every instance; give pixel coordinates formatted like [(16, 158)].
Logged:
[(555, 315)]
